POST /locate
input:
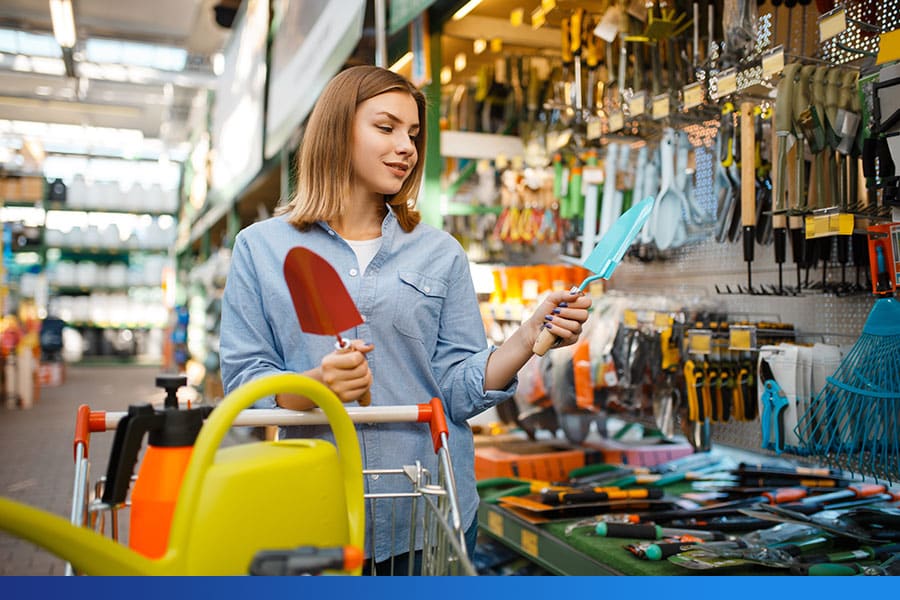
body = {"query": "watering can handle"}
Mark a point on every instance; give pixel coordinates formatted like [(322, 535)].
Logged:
[(219, 423)]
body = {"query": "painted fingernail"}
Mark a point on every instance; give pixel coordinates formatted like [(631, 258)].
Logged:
[(547, 326), (555, 311), (562, 304), (548, 317)]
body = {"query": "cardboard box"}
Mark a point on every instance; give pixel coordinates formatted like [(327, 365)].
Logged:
[(531, 460), (640, 454)]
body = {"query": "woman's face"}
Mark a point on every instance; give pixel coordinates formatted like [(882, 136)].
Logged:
[(383, 153)]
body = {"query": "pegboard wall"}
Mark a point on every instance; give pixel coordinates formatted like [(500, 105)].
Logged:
[(690, 276)]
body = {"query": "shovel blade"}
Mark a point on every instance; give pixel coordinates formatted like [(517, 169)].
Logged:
[(606, 255), (321, 301)]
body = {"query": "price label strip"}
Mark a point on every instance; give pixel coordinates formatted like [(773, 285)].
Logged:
[(832, 23), (660, 109)]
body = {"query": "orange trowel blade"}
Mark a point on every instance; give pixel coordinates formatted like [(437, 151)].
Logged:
[(321, 301)]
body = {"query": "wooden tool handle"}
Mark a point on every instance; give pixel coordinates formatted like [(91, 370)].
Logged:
[(748, 166), (544, 342)]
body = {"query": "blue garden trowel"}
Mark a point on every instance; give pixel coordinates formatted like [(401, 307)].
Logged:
[(605, 257)]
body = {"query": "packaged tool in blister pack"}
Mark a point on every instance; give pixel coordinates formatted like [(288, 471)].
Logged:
[(884, 257)]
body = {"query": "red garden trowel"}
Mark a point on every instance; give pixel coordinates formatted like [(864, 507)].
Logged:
[(322, 303), (605, 257)]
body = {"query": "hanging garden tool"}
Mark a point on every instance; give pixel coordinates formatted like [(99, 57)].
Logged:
[(748, 186), (854, 422), (320, 299)]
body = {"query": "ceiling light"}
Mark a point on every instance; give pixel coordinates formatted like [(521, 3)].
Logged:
[(459, 62), (401, 62), (218, 62), (466, 9), (63, 22), (479, 46), (516, 16), (446, 75)]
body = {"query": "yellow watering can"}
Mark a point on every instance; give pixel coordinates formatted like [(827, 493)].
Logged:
[(234, 502)]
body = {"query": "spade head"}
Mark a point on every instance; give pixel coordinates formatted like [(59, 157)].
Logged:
[(321, 301), (605, 256)]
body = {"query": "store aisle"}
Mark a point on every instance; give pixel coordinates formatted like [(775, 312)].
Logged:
[(36, 449)]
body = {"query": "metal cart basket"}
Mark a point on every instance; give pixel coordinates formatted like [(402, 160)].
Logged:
[(422, 501)]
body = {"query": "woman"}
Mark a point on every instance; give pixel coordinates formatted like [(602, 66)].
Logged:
[(360, 166)]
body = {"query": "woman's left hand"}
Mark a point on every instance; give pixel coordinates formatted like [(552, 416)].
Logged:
[(562, 313)]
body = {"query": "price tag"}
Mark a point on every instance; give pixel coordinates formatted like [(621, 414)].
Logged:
[(594, 129), (638, 104), (773, 62), (661, 320), (832, 23), (529, 542), (495, 523), (616, 121), (841, 224), (700, 341), (692, 95), (660, 108), (630, 319), (741, 337), (726, 84), (810, 227)]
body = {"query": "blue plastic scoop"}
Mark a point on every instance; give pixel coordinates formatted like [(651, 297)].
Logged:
[(605, 256)]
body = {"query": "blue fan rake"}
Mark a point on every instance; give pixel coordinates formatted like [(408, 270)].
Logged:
[(854, 422)]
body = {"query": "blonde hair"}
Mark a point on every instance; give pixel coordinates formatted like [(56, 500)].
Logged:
[(324, 170)]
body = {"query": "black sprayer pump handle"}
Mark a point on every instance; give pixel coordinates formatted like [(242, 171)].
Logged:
[(171, 383), (127, 442)]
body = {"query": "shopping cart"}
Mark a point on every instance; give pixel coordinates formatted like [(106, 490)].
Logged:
[(423, 502)]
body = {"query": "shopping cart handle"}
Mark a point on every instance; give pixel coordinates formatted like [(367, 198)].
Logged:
[(82, 430), (433, 414)]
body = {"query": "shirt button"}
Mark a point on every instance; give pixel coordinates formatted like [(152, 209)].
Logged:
[(353, 272), (375, 477), (427, 289), (331, 233)]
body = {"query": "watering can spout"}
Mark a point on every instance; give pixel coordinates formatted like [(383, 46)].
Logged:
[(87, 550)]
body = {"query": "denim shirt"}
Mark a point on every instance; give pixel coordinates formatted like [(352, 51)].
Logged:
[(421, 313)]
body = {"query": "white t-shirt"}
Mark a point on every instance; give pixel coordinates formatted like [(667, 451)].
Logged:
[(365, 251)]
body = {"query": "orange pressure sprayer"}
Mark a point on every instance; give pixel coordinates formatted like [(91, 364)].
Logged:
[(172, 433)]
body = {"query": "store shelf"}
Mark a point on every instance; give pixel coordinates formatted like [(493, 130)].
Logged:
[(537, 544)]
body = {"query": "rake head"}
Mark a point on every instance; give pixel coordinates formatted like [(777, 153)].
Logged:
[(854, 422)]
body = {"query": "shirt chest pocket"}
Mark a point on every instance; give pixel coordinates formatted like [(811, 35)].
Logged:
[(418, 307)]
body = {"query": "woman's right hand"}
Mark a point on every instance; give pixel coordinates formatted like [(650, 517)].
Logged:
[(346, 371)]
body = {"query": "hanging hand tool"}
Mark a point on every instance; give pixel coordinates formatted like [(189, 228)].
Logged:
[(748, 186), (579, 128), (779, 177), (817, 102), (774, 403)]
